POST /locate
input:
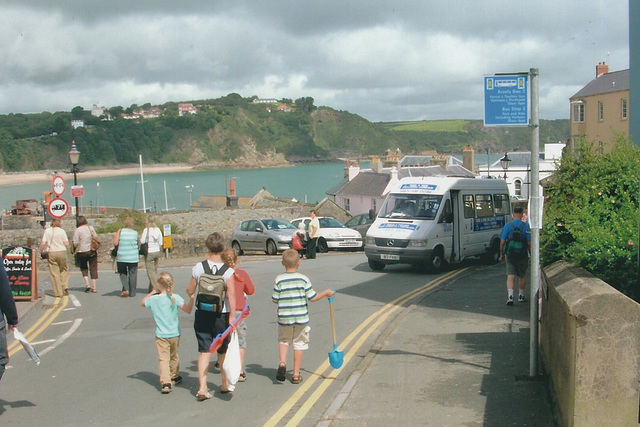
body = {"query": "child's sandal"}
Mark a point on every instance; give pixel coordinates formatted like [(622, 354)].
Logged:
[(296, 379)]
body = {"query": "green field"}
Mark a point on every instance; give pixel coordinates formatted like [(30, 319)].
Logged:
[(429, 126)]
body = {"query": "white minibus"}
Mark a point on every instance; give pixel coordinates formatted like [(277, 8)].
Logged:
[(430, 221)]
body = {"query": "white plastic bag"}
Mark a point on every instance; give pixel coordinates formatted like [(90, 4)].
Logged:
[(28, 347), (231, 365)]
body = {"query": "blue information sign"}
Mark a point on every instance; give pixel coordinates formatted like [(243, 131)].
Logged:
[(506, 100)]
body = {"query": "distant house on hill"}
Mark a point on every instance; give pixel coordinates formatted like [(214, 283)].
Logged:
[(77, 123), (265, 101), (186, 108)]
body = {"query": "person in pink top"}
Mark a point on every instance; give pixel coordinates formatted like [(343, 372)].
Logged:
[(243, 287)]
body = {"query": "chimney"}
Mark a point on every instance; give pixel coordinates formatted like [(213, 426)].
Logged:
[(354, 170), (376, 164), (601, 69), (468, 158), (439, 160)]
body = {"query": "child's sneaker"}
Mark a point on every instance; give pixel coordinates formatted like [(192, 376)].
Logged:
[(242, 378), (166, 388), (177, 380), (522, 298), (510, 300), (217, 365), (282, 370)]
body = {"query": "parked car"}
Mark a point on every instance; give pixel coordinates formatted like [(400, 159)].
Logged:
[(333, 234), (360, 223), (271, 235)]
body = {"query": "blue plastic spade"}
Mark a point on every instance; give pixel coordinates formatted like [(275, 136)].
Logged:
[(336, 358)]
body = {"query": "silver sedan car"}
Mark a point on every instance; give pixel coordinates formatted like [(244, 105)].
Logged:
[(271, 235)]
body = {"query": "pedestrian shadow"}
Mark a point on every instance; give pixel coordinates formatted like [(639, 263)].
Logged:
[(15, 404)]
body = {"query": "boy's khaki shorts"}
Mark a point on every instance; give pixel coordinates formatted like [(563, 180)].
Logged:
[(298, 335)]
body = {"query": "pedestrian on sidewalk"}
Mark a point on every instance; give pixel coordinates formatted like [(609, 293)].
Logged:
[(290, 293), (208, 324), (126, 239), (8, 317), (515, 245), (312, 230), (55, 242), (152, 236), (164, 306), (87, 258), (243, 286)]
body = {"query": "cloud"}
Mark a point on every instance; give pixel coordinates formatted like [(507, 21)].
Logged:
[(381, 60)]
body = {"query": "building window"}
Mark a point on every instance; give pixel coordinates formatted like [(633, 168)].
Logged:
[(347, 205), (578, 113), (623, 108), (518, 185), (600, 111)]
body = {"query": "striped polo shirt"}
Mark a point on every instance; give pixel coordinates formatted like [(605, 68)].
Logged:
[(291, 292), (128, 246)]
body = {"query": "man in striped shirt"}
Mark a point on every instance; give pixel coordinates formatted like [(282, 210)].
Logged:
[(291, 292)]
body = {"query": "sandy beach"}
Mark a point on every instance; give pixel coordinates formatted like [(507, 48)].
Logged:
[(43, 176)]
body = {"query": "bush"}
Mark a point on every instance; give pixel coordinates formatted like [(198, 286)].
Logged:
[(139, 222), (591, 214)]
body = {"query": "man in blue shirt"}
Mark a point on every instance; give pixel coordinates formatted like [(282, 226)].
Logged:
[(516, 265)]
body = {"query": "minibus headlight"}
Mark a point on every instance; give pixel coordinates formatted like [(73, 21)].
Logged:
[(370, 240), (417, 243)]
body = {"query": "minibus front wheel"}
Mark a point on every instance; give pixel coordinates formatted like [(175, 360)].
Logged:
[(436, 261)]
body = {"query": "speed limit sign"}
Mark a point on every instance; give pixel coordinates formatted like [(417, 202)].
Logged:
[(58, 208), (58, 185)]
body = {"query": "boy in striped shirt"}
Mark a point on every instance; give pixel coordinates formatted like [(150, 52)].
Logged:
[(291, 292)]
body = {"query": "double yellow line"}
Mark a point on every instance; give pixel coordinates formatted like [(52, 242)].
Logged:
[(45, 320), (370, 324)]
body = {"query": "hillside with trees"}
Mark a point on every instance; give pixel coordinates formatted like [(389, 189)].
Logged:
[(236, 131)]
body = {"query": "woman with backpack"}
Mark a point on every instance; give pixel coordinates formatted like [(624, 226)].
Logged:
[(211, 316), (515, 245)]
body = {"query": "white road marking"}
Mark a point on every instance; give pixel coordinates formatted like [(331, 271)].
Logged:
[(63, 338)]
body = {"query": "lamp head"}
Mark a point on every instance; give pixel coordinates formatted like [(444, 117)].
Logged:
[(74, 154)]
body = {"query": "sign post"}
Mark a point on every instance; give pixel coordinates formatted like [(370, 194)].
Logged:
[(167, 242), (506, 100), (58, 208)]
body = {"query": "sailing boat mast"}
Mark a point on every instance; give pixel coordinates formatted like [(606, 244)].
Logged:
[(144, 204)]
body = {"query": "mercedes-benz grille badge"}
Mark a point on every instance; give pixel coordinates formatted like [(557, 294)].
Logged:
[(390, 242)]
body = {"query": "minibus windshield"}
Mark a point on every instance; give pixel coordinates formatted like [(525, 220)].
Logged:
[(416, 206)]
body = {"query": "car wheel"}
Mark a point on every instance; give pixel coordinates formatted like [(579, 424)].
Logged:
[(271, 248), (323, 248), (375, 265), (436, 262), (236, 247)]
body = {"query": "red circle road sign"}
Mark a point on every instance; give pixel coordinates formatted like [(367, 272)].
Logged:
[(58, 208), (58, 185)]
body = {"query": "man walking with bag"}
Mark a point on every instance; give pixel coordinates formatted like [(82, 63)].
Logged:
[(515, 245)]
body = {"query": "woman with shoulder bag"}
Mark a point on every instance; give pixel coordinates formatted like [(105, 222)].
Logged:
[(56, 242), (87, 257), (152, 236)]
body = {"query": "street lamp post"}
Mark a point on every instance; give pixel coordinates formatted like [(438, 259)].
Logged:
[(505, 162), (189, 190), (74, 157)]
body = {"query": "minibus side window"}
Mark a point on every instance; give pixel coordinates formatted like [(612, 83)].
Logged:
[(447, 214), (502, 205), (469, 209), (484, 205)]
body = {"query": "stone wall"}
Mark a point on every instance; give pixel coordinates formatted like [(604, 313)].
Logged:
[(590, 348)]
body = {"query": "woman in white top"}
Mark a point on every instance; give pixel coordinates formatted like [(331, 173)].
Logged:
[(56, 242), (153, 237)]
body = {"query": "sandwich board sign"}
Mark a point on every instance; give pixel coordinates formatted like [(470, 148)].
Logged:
[(506, 100)]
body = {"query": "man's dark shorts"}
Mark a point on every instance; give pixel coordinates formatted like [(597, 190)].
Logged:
[(207, 326), (517, 268)]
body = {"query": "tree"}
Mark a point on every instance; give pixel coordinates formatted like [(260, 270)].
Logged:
[(77, 112), (591, 213), (305, 105)]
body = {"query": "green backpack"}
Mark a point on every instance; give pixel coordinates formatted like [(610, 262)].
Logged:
[(516, 247), (211, 289)]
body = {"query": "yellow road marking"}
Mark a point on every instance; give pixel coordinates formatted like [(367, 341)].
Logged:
[(43, 322), (381, 315)]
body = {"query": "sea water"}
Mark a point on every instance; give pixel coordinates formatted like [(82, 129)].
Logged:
[(305, 183)]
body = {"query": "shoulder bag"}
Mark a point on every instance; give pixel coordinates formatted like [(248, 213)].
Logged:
[(144, 247), (95, 242)]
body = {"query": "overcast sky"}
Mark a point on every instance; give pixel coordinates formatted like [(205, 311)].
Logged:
[(383, 60)]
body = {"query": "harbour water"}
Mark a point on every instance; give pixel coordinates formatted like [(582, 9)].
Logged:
[(304, 182)]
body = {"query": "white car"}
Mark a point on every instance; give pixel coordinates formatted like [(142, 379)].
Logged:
[(333, 234)]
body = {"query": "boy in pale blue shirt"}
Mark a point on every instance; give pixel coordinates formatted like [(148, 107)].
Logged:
[(164, 306)]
